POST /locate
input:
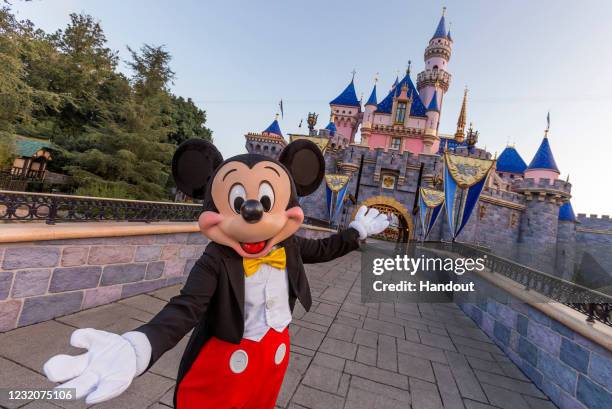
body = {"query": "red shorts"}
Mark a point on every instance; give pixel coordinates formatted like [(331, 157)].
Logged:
[(229, 376)]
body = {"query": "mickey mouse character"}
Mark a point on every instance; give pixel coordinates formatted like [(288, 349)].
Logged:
[(240, 294)]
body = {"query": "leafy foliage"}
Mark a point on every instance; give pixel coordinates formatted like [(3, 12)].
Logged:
[(115, 133)]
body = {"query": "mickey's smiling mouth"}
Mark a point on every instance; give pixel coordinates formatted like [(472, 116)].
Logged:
[(255, 247)]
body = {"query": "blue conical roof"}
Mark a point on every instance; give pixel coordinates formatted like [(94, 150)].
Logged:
[(566, 213), (441, 29), (417, 108), (372, 99), (433, 104), (510, 161), (274, 128), (544, 158), (331, 127), (348, 97), (448, 36)]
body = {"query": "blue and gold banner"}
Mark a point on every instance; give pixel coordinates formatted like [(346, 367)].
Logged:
[(335, 185), (464, 179), (430, 204)]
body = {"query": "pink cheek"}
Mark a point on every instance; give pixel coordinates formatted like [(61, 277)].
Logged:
[(209, 220), (296, 214)]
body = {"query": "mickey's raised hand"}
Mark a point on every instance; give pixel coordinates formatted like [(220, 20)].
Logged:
[(368, 222), (108, 367)]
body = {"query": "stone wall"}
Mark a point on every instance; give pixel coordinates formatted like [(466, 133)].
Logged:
[(46, 279), (41, 280), (573, 371)]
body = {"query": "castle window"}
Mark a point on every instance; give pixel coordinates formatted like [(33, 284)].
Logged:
[(396, 143), (435, 67), (400, 112)]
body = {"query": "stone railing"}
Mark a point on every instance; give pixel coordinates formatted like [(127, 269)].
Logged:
[(50, 271), (86, 266)]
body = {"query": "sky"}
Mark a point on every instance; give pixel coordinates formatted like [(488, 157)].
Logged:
[(519, 59)]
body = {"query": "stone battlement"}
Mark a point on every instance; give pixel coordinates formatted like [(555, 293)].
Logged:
[(584, 217), (504, 195), (542, 184)]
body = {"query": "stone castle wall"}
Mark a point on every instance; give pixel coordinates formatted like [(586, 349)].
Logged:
[(594, 249)]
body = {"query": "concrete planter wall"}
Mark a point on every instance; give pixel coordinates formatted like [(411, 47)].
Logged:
[(46, 279), (41, 280)]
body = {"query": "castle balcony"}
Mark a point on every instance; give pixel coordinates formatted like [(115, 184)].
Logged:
[(399, 130), (431, 77), (438, 50)]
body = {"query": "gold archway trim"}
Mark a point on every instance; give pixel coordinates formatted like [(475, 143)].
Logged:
[(390, 202)]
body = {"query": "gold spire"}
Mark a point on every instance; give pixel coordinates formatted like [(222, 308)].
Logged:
[(460, 133), (443, 11)]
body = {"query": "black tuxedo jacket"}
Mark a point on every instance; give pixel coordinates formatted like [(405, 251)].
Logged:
[(212, 300)]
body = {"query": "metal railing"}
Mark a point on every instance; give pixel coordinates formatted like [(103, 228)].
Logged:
[(594, 304), (53, 208)]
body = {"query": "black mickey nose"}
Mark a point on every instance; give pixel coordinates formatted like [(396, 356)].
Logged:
[(252, 211)]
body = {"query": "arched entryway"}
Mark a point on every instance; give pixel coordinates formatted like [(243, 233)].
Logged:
[(401, 228)]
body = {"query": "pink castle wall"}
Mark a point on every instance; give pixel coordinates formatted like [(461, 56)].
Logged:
[(413, 145), (377, 141), (538, 174)]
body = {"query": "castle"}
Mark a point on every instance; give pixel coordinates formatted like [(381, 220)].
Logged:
[(524, 211)]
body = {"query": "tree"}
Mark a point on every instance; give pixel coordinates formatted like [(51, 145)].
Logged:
[(115, 134), (189, 121)]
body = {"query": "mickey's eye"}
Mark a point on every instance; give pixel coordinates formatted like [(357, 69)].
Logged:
[(237, 196), (266, 196)]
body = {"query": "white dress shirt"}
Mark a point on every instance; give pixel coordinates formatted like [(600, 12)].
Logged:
[(266, 302)]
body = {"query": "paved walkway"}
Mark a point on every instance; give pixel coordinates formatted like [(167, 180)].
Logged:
[(345, 354)]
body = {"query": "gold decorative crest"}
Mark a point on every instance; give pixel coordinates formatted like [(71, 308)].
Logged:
[(467, 171), (431, 197), (388, 182), (320, 142), (336, 182)]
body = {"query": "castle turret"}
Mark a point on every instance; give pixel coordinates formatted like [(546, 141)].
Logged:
[(540, 220), (436, 77), (566, 242), (347, 111), (270, 142), (543, 165), (510, 164), (370, 107)]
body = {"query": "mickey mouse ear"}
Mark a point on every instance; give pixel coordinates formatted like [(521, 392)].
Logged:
[(306, 165), (193, 163)]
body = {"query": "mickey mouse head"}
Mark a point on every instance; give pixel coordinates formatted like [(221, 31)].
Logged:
[(250, 200)]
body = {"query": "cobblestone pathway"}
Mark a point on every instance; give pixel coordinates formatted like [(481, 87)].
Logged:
[(344, 354)]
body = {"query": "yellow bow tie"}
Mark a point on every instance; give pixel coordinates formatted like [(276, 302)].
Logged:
[(276, 259)]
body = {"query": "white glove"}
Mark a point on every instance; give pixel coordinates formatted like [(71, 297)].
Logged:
[(368, 222), (107, 369)]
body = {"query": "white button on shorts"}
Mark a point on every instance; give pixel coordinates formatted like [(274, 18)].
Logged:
[(239, 361), (280, 354)]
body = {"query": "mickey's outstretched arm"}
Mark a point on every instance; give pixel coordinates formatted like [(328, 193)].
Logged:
[(367, 222), (112, 361)]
